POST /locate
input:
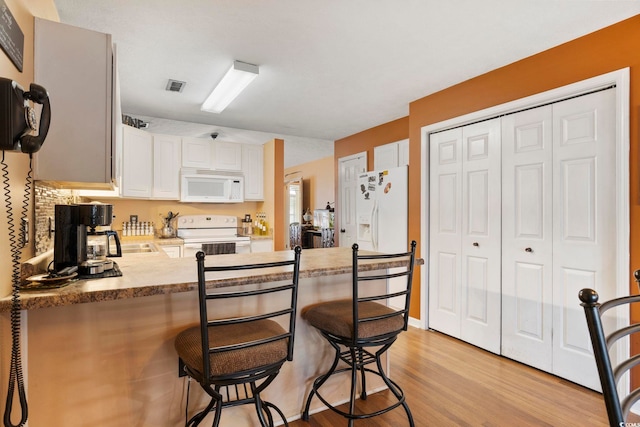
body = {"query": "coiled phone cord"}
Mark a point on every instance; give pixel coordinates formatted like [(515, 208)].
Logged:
[(16, 377)]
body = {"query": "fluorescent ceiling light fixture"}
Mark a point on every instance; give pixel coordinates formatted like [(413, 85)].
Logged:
[(237, 78)]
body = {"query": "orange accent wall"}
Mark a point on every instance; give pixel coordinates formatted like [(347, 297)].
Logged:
[(606, 50)]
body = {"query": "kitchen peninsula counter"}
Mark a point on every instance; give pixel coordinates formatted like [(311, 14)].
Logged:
[(100, 352), (150, 274)]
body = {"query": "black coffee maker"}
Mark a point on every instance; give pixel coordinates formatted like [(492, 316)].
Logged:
[(74, 226)]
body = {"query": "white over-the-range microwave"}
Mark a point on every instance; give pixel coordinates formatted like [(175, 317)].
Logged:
[(205, 186)]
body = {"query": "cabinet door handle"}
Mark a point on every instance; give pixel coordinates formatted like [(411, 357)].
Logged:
[(476, 244), (528, 250)]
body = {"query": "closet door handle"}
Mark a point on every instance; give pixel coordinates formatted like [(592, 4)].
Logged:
[(528, 250), (476, 244)]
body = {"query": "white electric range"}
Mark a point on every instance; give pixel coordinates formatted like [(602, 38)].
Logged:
[(212, 234)]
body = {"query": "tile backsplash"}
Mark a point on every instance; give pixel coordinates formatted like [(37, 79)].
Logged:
[(45, 199)]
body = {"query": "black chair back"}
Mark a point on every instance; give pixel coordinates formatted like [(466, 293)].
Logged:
[(406, 264), (286, 282), (617, 407)]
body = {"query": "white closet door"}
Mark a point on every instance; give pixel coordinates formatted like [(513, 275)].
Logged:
[(481, 235), (527, 281), (445, 228), (584, 233)]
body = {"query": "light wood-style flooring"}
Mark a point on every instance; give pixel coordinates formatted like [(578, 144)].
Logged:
[(450, 383)]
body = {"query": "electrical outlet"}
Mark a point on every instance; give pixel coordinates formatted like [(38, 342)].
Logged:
[(181, 371)]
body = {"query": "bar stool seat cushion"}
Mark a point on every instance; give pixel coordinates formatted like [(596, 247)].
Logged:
[(188, 344), (336, 318)]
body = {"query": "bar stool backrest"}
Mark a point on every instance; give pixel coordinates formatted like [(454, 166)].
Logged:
[(285, 282), (617, 407), (406, 265)]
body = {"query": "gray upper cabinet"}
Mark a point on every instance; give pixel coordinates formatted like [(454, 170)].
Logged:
[(76, 66)]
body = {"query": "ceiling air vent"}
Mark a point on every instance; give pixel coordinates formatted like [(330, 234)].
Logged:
[(175, 85)]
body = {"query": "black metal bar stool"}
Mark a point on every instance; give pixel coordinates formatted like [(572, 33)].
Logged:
[(611, 372), (235, 359), (354, 326)]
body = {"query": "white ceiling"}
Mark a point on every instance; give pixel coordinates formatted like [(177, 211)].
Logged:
[(328, 69)]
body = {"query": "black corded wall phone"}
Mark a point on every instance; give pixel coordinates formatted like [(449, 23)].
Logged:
[(19, 132), (18, 121)]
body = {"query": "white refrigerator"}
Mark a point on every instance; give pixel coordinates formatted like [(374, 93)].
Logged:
[(381, 210), (382, 217)]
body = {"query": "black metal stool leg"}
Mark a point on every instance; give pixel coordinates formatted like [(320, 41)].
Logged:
[(261, 411), (393, 387), (317, 383), (363, 393), (354, 383), (275, 408)]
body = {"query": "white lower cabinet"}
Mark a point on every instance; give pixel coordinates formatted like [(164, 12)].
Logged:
[(518, 248), (262, 245), (174, 251)]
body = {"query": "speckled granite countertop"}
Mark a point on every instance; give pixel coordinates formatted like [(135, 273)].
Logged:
[(155, 274)]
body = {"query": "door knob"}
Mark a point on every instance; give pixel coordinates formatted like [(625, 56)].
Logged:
[(342, 230), (528, 250), (476, 244)]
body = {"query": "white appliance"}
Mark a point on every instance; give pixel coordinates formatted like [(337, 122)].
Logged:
[(212, 234), (382, 210), (382, 217), (205, 186)]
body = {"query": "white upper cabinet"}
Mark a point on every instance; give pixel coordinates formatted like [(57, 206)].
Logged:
[(227, 156), (391, 155), (253, 168), (403, 152), (137, 163), (385, 156), (150, 165), (196, 153), (166, 167), (75, 65)]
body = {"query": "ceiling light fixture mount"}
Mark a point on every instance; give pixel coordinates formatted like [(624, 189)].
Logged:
[(234, 81)]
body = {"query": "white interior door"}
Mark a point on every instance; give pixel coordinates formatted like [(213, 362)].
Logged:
[(527, 283), (349, 169), (584, 225), (445, 225), (481, 231)]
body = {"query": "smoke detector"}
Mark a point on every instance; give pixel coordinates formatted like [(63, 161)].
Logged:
[(175, 85)]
